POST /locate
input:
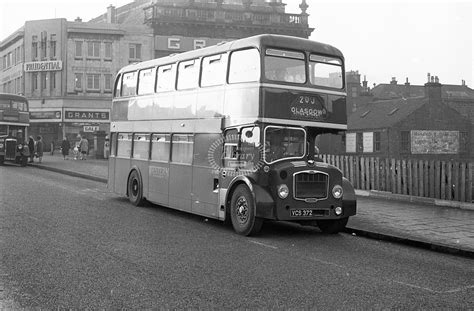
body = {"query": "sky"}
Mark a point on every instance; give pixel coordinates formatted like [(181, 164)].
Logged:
[(380, 39)]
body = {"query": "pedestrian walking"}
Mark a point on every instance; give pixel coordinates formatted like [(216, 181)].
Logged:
[(31, 146), (39, 148), (83, 147), (65, 146)]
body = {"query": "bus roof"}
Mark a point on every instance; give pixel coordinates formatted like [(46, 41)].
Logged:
[(280, 41), (13, 97)]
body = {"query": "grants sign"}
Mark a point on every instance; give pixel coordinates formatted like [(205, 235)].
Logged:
[(53, 65)]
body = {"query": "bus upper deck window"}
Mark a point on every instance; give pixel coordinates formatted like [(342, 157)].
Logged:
[(244, 66), (326, 71), (285, 66), (118, 86)]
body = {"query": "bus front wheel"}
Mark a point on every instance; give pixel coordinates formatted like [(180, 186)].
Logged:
[(243, 213), (2, 159), (135, 189), (332, 225)]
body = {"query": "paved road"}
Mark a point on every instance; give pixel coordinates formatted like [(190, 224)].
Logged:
[(66, 242)]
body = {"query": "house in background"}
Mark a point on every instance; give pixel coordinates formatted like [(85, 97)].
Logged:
[(423, 126)]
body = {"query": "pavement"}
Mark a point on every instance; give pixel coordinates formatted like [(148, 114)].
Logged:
[(443, 226)]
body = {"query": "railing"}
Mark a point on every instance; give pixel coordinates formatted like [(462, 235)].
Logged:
[(444, 180), (170, 13)]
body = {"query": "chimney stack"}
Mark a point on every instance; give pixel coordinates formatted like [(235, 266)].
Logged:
[(394, 81), (111, 14), (433, 89), (78, 19)]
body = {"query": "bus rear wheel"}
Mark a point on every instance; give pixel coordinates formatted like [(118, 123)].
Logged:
[(135, 189), (332, 225), (243, 212)]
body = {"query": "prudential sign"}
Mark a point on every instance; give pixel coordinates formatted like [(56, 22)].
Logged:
[(53, 65)]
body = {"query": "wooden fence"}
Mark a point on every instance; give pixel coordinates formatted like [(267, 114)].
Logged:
[(426, 178)]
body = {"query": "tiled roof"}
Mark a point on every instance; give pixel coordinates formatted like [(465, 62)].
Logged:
[(383, 114), (391, 91)]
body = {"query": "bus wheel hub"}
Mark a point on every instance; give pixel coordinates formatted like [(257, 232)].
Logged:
[(242, 209)]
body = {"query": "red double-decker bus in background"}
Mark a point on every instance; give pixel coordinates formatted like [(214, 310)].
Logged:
[(14, 123), (229, 131)]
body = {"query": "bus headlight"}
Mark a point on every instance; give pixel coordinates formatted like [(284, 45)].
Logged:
[(337, 191), (283, 191), (338, 211)]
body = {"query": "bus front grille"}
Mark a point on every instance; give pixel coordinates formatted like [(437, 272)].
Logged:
[(10, 148), (310, 186)]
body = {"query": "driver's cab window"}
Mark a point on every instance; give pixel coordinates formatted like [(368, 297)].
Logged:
[(284, 142)]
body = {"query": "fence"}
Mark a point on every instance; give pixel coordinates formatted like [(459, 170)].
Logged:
[(444, 180)]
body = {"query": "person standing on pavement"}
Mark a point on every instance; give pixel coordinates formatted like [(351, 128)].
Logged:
[(65, 146), (31, 146), (39, 148), (83, 147)]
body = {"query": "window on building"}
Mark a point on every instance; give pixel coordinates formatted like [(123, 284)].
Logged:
[(160, 147), (405, 141), (78, 81), (182, 148), (52, 47), (354, 91), (34, 48), (78, 49), (107, 82), (135, 52), (360, 142), (93, 82), (44, 80), (34, 81), (214, 69), (463, 142), (43, 47), (188, 74), (165, 78), (93, 49), (244, 66), (108, 50), (52, 80), (377, 142)]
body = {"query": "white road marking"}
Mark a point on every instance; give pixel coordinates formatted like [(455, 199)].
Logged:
[(263, 244), (451, 291)]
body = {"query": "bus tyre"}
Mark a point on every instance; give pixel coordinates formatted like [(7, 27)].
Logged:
[(332, 225), (243, 212), (135, 189), (2, 159)]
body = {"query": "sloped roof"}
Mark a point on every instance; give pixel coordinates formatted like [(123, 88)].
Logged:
[(448, 91), (383, 114), (466, 109)]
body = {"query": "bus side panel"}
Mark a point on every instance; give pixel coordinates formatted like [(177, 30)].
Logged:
[(185, 105), (180, 184), (242, 101), (122, 169), (158, 178), (210, 102)]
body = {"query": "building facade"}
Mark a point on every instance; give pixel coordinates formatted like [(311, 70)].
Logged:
[(66, 69)]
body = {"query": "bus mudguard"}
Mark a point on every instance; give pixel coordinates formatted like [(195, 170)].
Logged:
[(262, 199), (349, 201)]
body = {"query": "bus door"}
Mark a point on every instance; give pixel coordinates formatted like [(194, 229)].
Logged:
[(181, 171), (122, 162), (206, 165)]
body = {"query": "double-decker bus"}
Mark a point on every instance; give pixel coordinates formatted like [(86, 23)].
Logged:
[(14, 122), (229, 131)]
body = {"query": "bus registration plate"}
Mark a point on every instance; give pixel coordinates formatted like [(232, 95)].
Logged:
[(301, 212)]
